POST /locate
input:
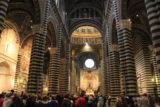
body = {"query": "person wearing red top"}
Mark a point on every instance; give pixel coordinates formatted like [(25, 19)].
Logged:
[(80, 102), (1, 100)]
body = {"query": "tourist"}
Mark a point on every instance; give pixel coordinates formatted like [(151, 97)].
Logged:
[(31, 101), (66, 101), (122, 101), (80, 102), (54, 102), (130, 102), (16, 102), (1, 100), (152, 102), (144, 101), (7, 100), (100, 101), (45, 102)]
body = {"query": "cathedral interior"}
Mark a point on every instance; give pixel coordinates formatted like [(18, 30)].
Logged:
[(96, 46)]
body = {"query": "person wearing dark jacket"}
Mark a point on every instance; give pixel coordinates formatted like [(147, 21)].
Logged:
[(66, 101), (31, 101), (1, 100), (54, 102), (16, 102), (44, 102)]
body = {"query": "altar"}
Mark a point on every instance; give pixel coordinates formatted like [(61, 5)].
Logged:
[(89, 82)]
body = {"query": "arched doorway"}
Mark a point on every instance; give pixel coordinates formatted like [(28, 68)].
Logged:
[(5, 76)]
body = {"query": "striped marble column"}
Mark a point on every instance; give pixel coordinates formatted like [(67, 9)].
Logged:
[(51, 67), (106, 45), (17, 72), (3, 11), (36, 76), (156, 74), (153, 11), (55, 67), (67, 67), (126, 53), (62, 77), (114, 71)]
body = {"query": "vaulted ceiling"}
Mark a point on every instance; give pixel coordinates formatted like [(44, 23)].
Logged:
[(72, 4)]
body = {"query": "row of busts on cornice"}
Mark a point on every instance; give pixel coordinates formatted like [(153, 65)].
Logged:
[(86, 40)]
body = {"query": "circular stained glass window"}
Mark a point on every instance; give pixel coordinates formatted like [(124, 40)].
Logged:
[(89, 63)]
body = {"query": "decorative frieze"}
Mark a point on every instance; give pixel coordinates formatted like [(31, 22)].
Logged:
[(125, 24)]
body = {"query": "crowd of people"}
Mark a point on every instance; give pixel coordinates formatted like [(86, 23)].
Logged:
[(14, 100)]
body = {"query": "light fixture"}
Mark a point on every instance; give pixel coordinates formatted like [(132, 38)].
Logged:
[(87, 47), (49, 48), (45, 89), (152, 79), (137, 15)]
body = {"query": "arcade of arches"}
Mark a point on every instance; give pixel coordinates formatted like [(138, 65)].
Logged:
[(98, 46)]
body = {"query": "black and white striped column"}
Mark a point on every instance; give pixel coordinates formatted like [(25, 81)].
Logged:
[(3, 11), (17, 72), (36, 76), (153, 11), (156, 75), (62, 77), (114, 71), (55, 67), (106, 45), (126, 53), (67, 67)]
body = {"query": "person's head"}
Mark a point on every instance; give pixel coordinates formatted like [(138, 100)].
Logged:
[(12, 91), (66, 96), (53, 97), (82, 93), (1, 95), (39, 98), (145, 94), (45, 98)]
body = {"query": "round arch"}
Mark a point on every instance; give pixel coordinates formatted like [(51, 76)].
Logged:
[(143, 33), (4, 68), (10, 40), (114, 38), (30, 7), (10, 25), (51, 34), (25, 40), (86, 22), (6, 76), (129, 6)]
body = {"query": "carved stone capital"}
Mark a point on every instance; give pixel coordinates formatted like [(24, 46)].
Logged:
[(36, 28), (52, 50), (114, 48), (125, 23), (152, 49)]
